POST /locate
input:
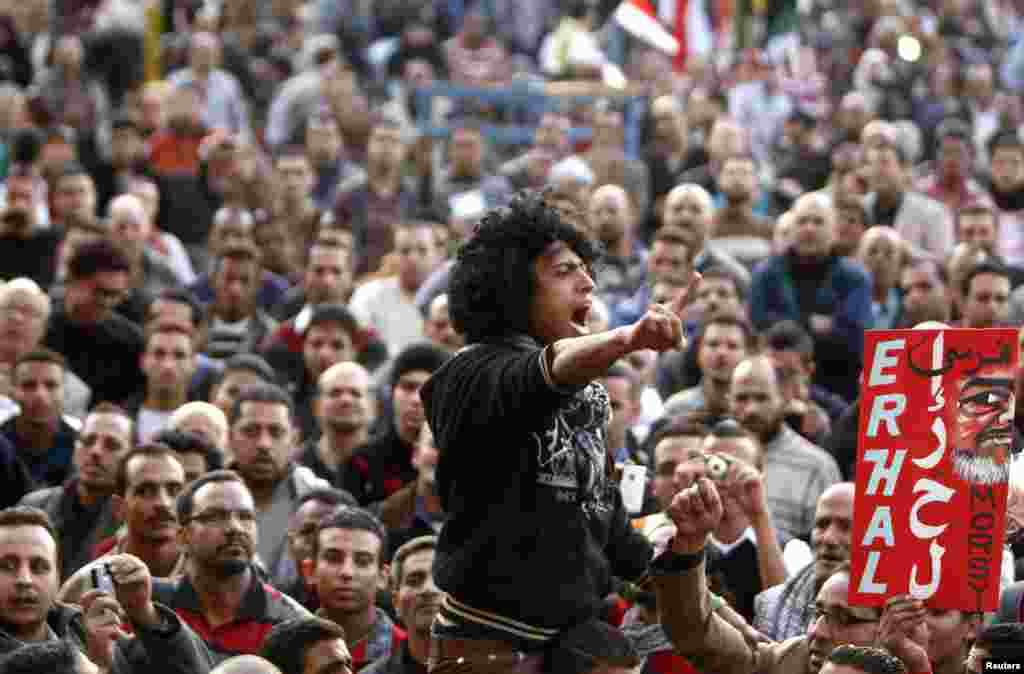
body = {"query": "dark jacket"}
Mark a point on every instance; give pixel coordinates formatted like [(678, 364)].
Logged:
[(105, 356), (380, 468), (61, 504), (536, 527), (174, 646), (48, 468), (845, 296)]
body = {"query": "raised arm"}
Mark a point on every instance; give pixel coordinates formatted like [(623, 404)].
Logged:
[(579, 360)]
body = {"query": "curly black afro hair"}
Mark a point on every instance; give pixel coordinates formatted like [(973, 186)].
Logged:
[(492, 282)]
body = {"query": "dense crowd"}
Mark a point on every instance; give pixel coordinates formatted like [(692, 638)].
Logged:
[(233, 292)]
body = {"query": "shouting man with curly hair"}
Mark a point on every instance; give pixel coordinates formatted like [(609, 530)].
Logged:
[(527, 554)]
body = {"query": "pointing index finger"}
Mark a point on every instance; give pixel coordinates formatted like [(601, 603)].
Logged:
[(682, 299)]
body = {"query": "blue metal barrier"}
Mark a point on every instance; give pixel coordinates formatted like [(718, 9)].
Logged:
[(530, 96)]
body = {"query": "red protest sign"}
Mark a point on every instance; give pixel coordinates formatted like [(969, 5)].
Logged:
[(933, 466)]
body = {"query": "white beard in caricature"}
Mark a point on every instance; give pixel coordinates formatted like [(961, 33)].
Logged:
[(979, 469)]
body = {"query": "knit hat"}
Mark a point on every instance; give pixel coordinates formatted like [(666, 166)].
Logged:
[(422, 356)]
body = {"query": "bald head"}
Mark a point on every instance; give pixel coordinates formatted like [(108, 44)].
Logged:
[(130, 224), (203, 419), (246, 664), (688, 208), (664, 106), (755, 367), (754, 397), (610, 216), (344, 404), (814, 226), (833, 527), (127, 205), (347, 371)]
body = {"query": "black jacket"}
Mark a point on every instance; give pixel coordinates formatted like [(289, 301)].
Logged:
[(536, 528)]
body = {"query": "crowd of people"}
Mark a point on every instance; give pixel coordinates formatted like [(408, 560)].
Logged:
[(305, 370)]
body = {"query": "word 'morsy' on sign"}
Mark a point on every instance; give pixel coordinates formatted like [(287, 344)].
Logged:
[(932, 466)]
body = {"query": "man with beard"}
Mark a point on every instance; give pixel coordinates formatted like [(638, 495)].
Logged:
[(168, 363), (789, 459), (327, 278), (738, 182), (221, 596), (347, 567), (786, 610), (830, 296), (983, 432), (612, 218), (882, 252), (81, 508), (295, 212), (418, 600), (262, 442), (40, 434), (1006, 167), (25, 249), (702, 637), (343, 408), (384, 465), (149, 479)]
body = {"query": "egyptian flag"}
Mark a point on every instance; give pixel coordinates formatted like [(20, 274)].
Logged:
[(695, 25)]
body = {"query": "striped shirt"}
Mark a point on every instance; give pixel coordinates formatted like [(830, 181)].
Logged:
[(796, 473)]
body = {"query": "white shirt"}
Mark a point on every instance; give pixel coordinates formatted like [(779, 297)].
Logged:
[(380, 304)]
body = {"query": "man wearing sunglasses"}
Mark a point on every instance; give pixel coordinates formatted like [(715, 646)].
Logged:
[(711, 645)]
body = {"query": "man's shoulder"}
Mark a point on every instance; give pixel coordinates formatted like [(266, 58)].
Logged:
[(795, 443), (44, 499), (123, 331), (280, 606)]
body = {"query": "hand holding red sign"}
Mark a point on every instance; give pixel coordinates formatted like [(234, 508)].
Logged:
[(903, 632)]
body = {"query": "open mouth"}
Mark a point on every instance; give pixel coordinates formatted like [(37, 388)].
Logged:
[(580, 316)]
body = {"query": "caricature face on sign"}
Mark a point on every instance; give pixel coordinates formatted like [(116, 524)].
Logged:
[(983, 437)]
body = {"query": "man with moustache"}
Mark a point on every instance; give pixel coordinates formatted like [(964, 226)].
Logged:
[(983, 436), (789, 459), (786, 610), (263, 435), (343, 409), (702, 636), (417, 599), (221, 596), (149, 479), (81, 508)]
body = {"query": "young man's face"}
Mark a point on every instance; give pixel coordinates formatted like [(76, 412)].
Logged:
[(722, 347), (562, 295), (104, 439), (668, 455), (987, 303), (168, 362), (262, 439), (39, 390), (347, 569), (407, 404), (29, 578), (325, 344), (716, 294)]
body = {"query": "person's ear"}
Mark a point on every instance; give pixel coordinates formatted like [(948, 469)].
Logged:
[(308, 567), (384, 580)]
